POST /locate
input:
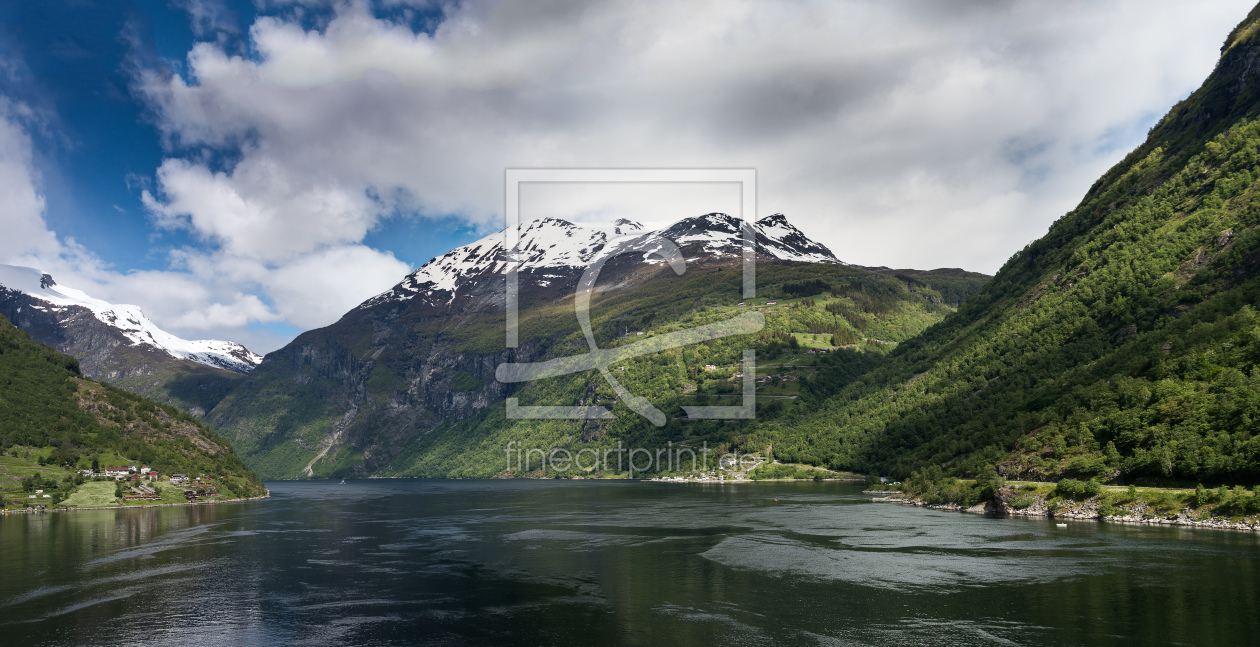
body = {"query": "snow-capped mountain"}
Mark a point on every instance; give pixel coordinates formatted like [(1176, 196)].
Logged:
[(551, 248), (64, 304)]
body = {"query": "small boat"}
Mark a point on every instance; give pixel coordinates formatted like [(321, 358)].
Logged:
[(343, 481), (1061, 525)]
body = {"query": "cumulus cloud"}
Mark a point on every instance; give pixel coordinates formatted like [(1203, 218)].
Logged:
[(318, 288), (262, 210), (244, 309), (913, 133)]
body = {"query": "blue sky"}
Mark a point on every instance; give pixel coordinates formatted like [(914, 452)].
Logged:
[(100, 146), (248, 169)]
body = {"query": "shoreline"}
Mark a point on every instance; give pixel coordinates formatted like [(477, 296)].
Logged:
[(655, 479), (749, 481), (998, 508), (133, 507)]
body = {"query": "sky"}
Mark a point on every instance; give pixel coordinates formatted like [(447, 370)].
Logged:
[(250, 169)]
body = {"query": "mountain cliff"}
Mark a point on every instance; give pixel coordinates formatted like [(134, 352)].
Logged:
[(404, 384), (119, 345)]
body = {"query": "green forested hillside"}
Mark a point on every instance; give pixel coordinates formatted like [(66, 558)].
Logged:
[(1125, 344), (409, 421), (49, 412)]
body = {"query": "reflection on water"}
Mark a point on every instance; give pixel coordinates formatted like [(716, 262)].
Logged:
[(580, 563)]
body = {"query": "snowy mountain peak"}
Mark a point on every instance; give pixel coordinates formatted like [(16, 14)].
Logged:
[(551, 248), (719, 234), (623, 226), (786, 242), (127, 319)]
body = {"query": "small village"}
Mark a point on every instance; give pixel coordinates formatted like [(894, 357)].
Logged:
[(113, 487)]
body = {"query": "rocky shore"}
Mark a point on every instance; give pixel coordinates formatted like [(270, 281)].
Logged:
[(1137, 512)]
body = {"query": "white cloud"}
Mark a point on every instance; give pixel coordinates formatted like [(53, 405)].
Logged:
[(221, 294), (22, 205), (318, 288), (652, 204), (911, 134), (261, 210), (244, 309)]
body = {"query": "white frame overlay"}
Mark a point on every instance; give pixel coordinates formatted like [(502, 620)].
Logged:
[(513, 178)]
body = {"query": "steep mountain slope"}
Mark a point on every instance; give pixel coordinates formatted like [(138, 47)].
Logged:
[(118, 344), (1124, 344), (405, 383), (48, 407)]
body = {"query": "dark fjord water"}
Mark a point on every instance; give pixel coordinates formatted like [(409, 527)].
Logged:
[(592, 563)]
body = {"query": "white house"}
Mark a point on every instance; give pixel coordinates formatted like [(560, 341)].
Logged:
[(117, 473)]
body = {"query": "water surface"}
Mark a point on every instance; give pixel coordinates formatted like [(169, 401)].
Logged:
[(608, 563)]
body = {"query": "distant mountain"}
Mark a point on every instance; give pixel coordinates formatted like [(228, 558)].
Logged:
[(118, 344), (404, 384), (64, 303)]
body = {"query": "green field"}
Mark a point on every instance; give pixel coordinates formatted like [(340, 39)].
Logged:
[(94, 494), (170, 493), (812, 340), (15, 468)]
